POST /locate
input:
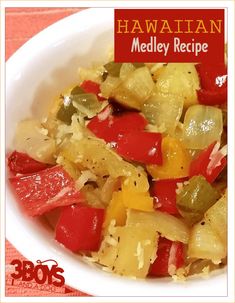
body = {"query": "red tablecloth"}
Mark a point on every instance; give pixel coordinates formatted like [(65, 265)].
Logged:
[(21, 25)]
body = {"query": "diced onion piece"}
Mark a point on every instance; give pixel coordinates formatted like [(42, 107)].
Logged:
[(204, 243), (136, 88), (167, 225), (164, 110), (179, 79), (109, 85), (125, 70), (31, 138), (87, 104), (202, 126)]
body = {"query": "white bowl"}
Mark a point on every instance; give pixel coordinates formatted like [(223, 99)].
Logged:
[(36, 73)]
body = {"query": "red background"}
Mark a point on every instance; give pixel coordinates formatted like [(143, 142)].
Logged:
[(215, 41)]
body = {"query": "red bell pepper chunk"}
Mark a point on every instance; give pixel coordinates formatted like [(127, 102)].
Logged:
[(164, 193), (213, 79), (209, 163), (79, 227), (20, 163), (170, 257), (140, 146), (92, 87), (209, 97), (43, 191), (110, 128)]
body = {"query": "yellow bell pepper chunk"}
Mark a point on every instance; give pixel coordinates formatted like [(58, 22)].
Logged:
[(176, 161), (137, 200), (116, 210)]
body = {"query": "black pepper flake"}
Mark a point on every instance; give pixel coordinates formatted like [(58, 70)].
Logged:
[(181, 167), (135, 183), (139, 175), (189, 72), (46, 139), (27, 138), (203, 223), (118, 239), (113, 267)]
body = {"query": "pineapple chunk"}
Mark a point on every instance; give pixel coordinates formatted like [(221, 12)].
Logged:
[(179, 79), (216, 217), (136, 248), (128, 250), (169, 226), (136, 88), (31, 138), (204, 243)]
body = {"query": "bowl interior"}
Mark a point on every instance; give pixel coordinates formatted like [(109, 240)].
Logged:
[(36, 73)]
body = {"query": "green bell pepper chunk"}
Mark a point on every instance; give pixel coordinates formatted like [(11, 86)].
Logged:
[(195, 199)]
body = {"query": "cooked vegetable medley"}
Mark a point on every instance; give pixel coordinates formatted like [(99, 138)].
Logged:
[(129, 168)]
